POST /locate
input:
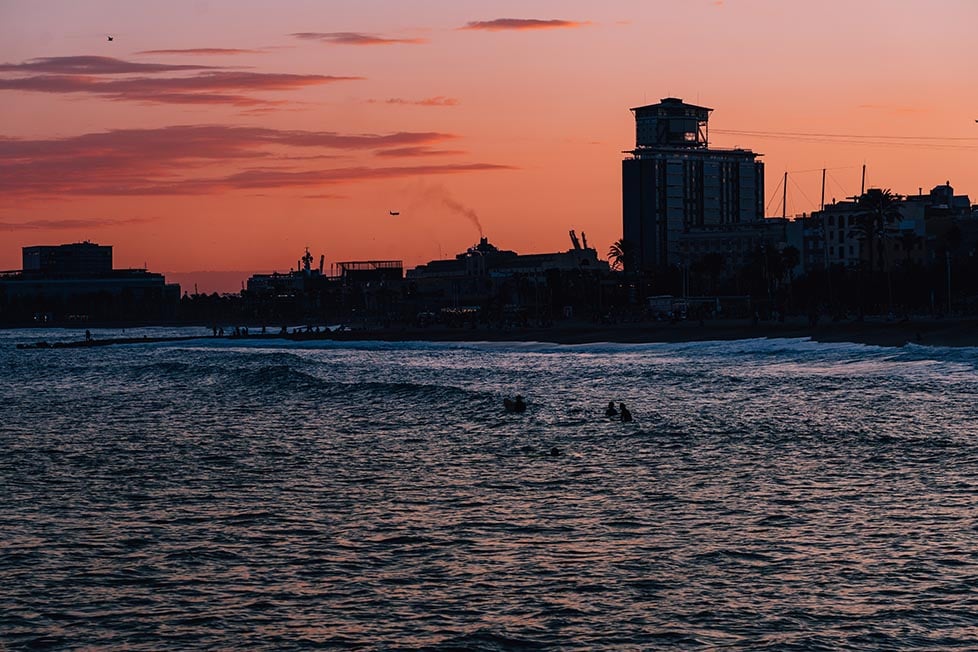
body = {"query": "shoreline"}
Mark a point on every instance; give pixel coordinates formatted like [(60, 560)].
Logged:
[(932, 332), (950, 332)]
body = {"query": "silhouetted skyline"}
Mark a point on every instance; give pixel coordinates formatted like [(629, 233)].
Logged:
[(205, 137)]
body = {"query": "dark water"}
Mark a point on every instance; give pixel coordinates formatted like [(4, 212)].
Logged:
[(769, 495)]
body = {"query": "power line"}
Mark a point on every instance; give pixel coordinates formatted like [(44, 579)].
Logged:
[(767, 208), (818, 135), (801, 191), (915, 142)]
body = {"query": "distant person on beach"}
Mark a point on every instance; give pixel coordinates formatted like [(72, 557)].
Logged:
[(625, 414), (611, 411), (88, 335)]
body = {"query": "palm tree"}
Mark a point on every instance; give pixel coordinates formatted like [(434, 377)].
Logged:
[(618, 254), (878, 209)]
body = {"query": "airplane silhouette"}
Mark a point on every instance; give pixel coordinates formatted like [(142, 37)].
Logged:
[(394, 212)]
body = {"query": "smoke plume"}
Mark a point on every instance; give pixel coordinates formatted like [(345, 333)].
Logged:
[(464, 211), (438, 195)]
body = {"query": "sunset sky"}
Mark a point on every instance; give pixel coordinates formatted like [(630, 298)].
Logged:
[(228, 136)]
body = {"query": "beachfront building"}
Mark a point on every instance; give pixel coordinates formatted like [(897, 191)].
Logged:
[(675, 187), (76, 283), (923, 224)]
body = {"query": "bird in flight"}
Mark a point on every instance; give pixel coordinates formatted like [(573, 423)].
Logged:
[(109, 38), (395, 212)]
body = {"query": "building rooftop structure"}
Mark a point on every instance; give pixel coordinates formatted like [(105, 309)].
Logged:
[(674, 184), (302, 277), (76, 259), (485, 259), (672, 123)]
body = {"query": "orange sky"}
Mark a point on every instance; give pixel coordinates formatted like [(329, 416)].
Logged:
[(229, 136)]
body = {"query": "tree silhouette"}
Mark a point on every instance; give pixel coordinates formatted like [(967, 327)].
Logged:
[(618, 254), (877, 210)]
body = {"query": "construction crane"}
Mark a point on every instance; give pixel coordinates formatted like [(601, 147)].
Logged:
[(574, 240)]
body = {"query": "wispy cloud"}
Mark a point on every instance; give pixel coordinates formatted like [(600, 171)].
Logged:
[(72, 224), (355, 38), (326, 195), (206, 84), (417, 152), (91, 65), (285, 178), (203, 51), (502, 24), (188, 160), (439, 100)]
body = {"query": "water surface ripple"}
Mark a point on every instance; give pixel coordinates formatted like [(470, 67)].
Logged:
[(770, 494)]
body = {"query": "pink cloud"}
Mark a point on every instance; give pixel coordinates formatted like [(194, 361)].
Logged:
[(208, 85), (501, 24), (183, 160), (417, 152), (91, 65), (72, 223), (355, 38), (438, 100), (203, 51)]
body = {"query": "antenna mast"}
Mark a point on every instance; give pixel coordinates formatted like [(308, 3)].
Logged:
[(784, 197)]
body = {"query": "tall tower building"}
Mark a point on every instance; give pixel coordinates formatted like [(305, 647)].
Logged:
[(674, 184)]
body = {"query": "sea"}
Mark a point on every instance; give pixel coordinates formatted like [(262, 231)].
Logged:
[(770, 494)]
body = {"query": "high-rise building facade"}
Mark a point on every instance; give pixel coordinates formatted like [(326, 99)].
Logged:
[(674, 184)]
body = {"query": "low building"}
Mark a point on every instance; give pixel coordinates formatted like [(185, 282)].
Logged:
[(507, 282), (76, 283)]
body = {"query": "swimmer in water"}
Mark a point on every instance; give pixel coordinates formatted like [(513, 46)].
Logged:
[(611, 411), (625, 414), (519, 405)]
